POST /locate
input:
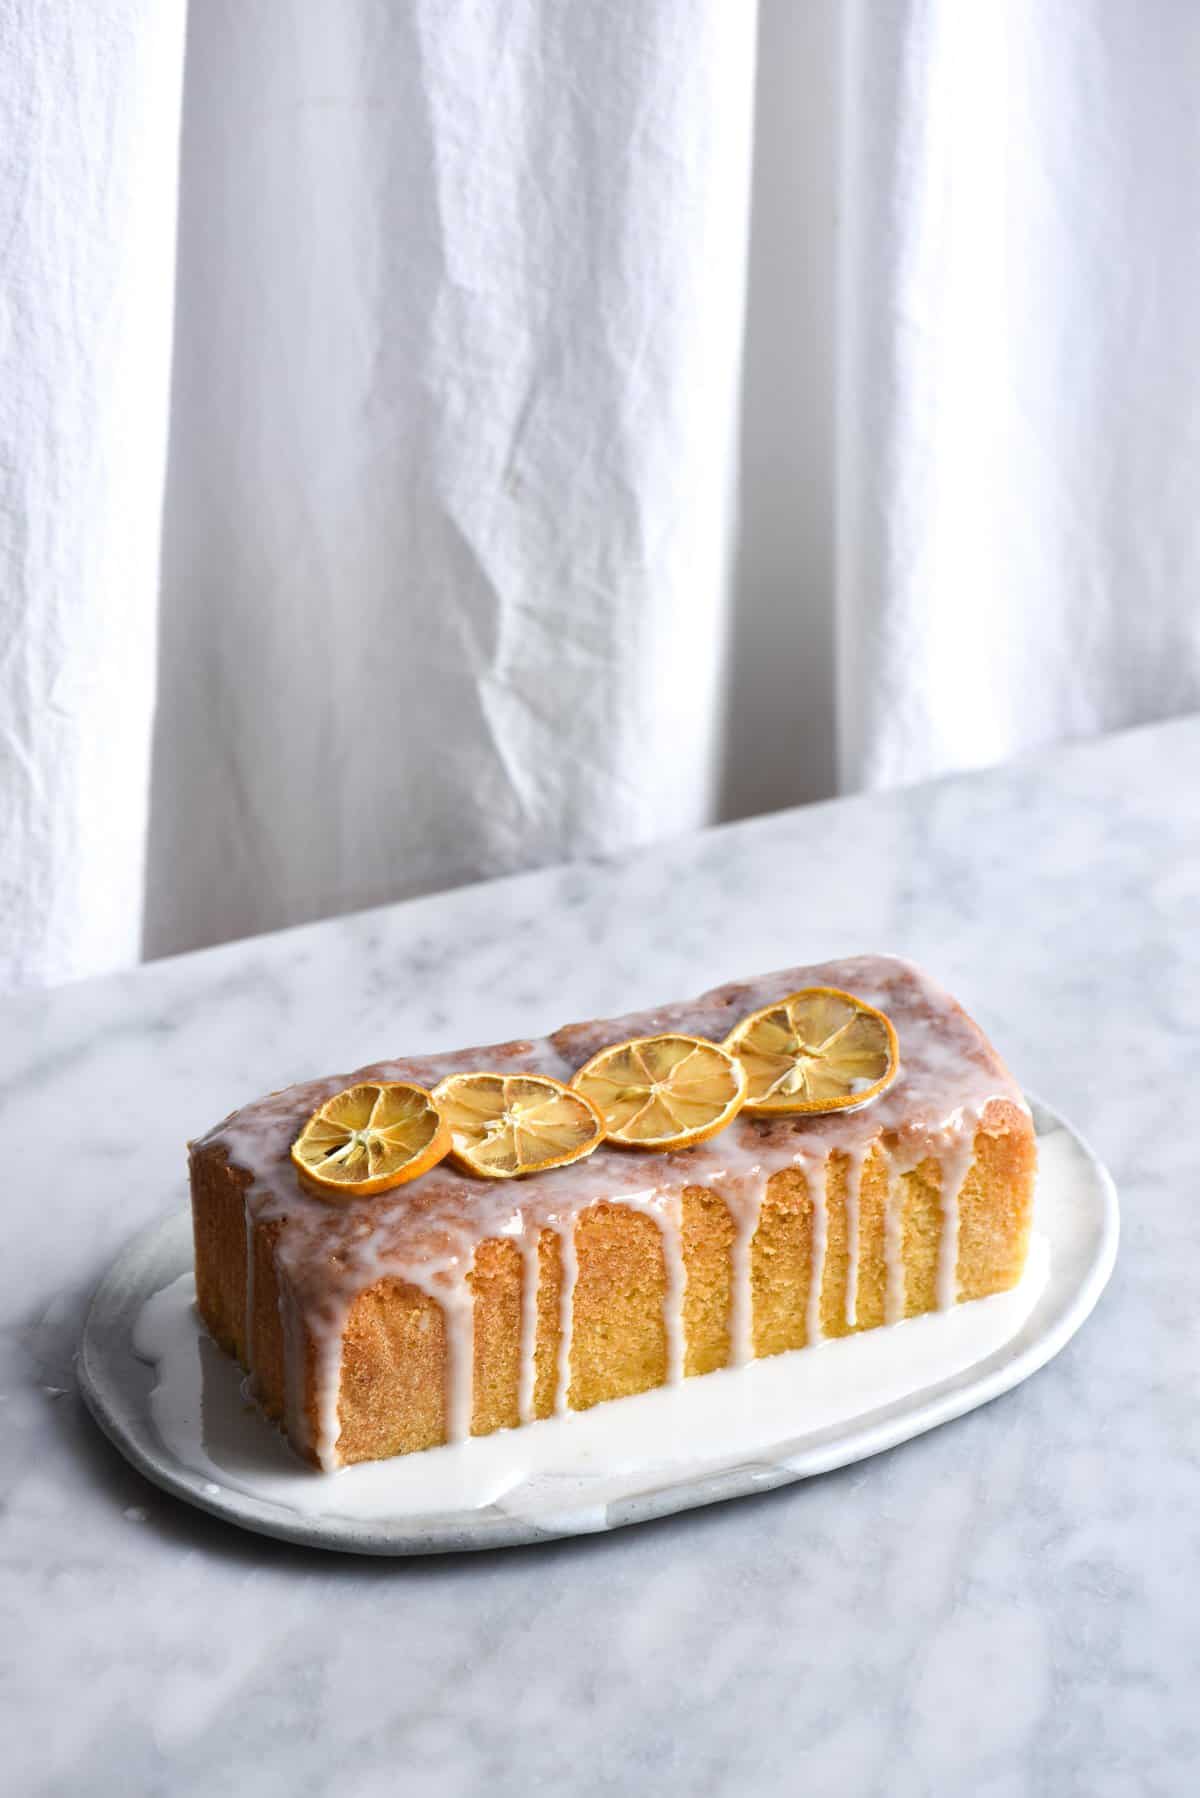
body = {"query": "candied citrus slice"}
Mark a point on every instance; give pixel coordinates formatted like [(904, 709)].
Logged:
[(369, 1138), (816, 1050), (504, 1125), (663, 1092)]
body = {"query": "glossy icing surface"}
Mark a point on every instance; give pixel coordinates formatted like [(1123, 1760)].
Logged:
[(427, 1231)]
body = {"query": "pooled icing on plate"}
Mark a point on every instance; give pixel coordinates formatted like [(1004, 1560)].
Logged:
[(565, 1471)]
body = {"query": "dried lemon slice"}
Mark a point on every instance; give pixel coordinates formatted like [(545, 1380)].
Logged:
[(817, 1050), (504, 1125), (663, 1092), (369, 1138)]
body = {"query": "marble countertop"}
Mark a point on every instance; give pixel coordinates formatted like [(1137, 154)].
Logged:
[(1005, 1606)]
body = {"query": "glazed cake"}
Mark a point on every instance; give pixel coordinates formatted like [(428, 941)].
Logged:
[(455, 1306)]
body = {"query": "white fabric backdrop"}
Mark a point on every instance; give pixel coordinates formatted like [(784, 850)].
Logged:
[(460, 304), (448, 579), (89, 119)]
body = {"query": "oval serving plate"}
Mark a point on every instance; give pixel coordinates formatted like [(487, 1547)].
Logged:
[(182, 1421)]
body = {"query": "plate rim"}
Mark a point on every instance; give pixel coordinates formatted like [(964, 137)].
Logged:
[(136, 1439)]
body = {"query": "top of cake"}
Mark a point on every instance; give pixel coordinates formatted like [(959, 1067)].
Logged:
[(429, 1228)]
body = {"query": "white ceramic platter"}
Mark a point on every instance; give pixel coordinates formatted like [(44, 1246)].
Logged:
[(173, 1404)]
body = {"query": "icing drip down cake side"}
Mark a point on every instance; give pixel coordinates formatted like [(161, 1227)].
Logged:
[(455, 1305)]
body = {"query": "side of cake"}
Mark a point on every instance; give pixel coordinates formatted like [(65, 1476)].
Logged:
[(456, 1305)]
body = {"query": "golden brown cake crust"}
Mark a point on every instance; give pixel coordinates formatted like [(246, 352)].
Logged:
[(391, 1323)]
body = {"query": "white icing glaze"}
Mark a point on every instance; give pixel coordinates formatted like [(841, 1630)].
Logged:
[(426, 1233), (854, 1170), (530, 1275), (956, 1159), (458, 1309), (295, 1413), (569, 1262), (818, 1183), (743, 1198), (665, 1211), (328, 1380), (249, 1328), (671, 1229), (893, 1244)]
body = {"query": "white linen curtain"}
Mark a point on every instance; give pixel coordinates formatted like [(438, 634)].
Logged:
[(89, 119), (1019, 408), (447, 575), (457, 340)]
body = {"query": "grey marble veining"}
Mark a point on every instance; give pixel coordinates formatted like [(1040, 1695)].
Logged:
[(1006, 1606)]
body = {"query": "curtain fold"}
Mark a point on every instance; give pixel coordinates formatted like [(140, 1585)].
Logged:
[(1018, 544), (448, 517), (89, 125)]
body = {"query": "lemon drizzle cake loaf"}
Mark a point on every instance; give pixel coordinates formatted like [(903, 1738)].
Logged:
[(456, 1305)]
